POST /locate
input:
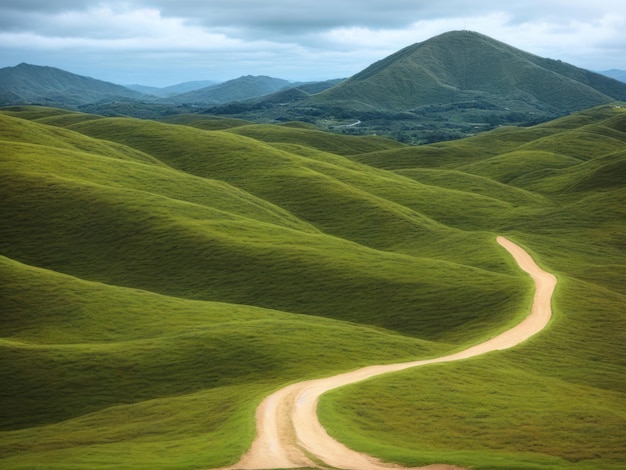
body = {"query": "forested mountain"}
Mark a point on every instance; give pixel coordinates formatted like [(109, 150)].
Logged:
[(33, 84)]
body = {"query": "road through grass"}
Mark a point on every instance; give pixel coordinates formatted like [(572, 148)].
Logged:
[(289, 434)]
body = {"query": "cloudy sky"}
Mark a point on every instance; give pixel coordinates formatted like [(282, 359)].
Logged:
[(163, 42)]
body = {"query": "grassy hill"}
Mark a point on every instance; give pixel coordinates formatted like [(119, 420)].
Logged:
[(159, 279), (582, 240)]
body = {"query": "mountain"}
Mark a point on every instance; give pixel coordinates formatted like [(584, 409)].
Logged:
[(451, 86), (464, 67), (616, 74), (172, 90), (159, 280), (25, 83), (241, 88)]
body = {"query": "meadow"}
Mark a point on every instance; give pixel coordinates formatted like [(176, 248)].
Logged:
[(159, 279)]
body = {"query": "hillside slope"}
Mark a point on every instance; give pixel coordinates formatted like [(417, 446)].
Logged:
[(577, 162), (159, 280), (463, 66)]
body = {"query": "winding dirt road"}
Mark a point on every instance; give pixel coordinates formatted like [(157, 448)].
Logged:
[(289, 434)]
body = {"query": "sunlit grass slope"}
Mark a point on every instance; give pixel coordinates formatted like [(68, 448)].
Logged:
[(86, 365), (203, 121), (106, 245), (591, 132), (567, 385), (186, 236), (158, 280), (339, 144), (343, 198)]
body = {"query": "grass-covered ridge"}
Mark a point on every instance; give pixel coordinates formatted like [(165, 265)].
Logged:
[(158, 280)]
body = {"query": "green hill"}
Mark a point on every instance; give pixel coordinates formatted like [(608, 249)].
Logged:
[(463, 66), (160, 279)]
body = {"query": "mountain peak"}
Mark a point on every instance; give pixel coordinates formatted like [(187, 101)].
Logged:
[(465, 66)]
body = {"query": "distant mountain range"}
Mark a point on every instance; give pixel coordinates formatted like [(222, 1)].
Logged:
[(616, 74), (449, 86), (173, 90), (33, 84), (241, 88)]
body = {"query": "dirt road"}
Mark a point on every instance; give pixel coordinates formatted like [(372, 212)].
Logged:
[(289, 435)]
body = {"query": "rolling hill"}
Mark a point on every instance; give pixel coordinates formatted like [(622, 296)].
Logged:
[(160, 279)]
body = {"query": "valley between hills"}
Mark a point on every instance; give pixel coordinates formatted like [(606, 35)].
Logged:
[(160, 280), (289, 434), (167, 266)]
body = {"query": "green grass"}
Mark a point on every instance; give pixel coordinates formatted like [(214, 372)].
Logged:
[(568, 396), (119, 371), (571, 414), (341, 145), (203, 121), (480, 428), (158, 280)]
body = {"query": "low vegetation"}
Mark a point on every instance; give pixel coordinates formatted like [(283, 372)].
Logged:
[(454, 85), (159, 279)]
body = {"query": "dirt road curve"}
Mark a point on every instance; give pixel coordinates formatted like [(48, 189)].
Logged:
[(289, 434)]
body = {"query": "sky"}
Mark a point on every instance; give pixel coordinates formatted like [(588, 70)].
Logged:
[(164, 42)]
